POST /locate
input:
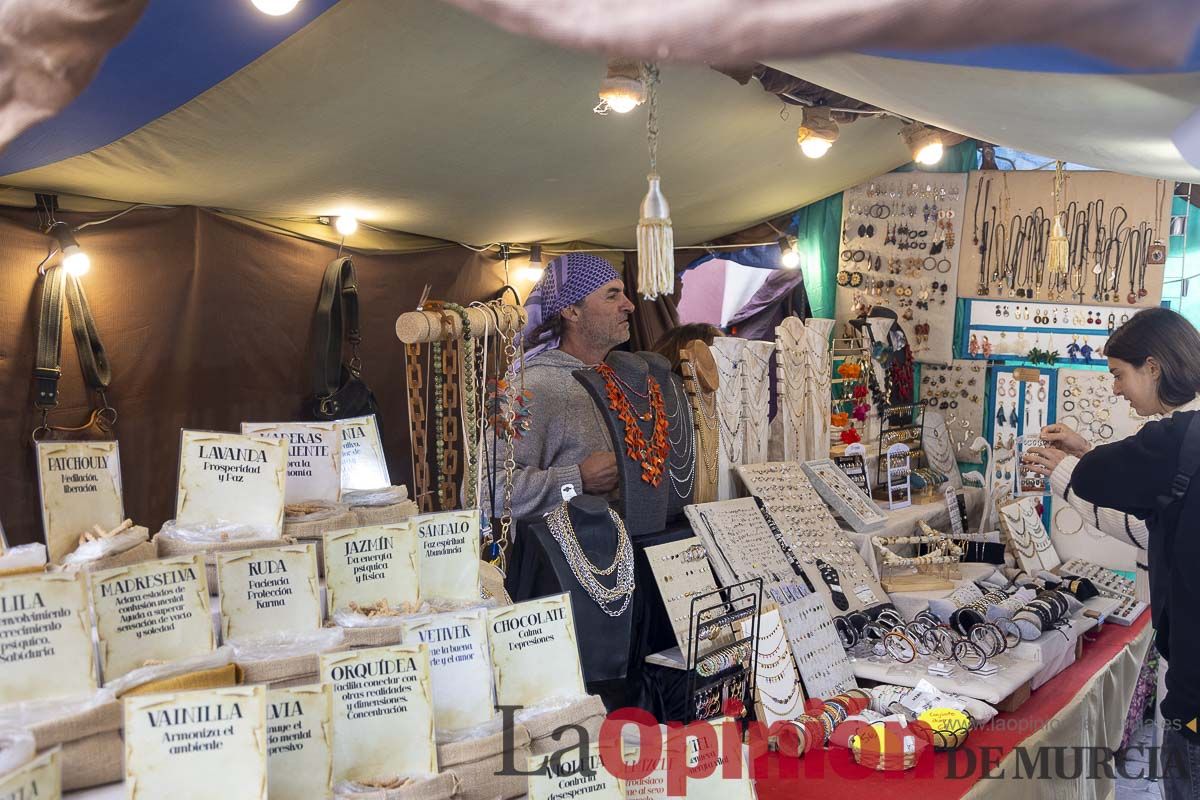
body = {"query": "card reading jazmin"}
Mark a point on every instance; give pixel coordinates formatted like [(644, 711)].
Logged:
[(363, 464), (300, 742), (80, 486), (535, 654), (567, 778), (40, 779), (224, 477), (366, 565), (197, 745), (314, 470), (458, 663), (45, 638), (156, 611), (269, 590), (449, 554), (382, 712)]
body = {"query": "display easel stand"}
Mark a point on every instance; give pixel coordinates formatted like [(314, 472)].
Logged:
[(719, 611)]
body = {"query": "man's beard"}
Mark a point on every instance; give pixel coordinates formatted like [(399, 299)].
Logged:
[(610, 337)]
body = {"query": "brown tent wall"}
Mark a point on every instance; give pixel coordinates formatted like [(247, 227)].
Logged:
[(207, 323)]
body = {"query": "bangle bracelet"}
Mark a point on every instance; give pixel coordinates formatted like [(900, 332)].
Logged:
[(899, 647), (969, 655)]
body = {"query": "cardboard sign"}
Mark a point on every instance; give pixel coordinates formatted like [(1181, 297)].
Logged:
[(459, 666), (535, 654), (314, 470), (449, 554), (300, 742), (45, 638), (197, 745), (224, 477), (366, 565), (41, 778), (567, 779), (156, 611), (363, 464), (382, 712), (80, 486), (269, 590)]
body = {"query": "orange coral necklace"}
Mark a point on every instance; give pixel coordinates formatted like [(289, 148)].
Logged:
[(652, 457)]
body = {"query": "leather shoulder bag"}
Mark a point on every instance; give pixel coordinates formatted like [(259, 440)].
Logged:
[(338, 388)]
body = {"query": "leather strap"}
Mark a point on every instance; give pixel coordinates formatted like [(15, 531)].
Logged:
[(1189, 465), (337, 316), (93, 360)]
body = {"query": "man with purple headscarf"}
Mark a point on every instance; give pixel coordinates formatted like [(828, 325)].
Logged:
[(577, 313)]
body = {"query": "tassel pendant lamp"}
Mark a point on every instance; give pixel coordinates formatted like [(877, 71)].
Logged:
[(1058, 255), (655, 237)]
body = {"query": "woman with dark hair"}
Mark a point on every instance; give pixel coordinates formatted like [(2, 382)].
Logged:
[(1128, 489), (670, 343)]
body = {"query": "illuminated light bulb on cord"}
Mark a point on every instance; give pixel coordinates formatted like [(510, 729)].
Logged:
[(346, 224), (924, 142), (788, 255), (622, 89), (930, 153), (75, 261), (275, 8), (818, 133), (815, 148)]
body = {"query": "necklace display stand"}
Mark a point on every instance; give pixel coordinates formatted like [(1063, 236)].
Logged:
[(681, 435), (604, 640), (756, 383), (701, 381), (642, 505), (728, 353)]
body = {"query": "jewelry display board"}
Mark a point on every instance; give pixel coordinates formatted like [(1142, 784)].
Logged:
[(847, 500), (756, 382), (940, 453), (900, 424), (776, 682), (957, 391), (897, 470), (728, 353), (1008, 330), (741, 543), (820, 658), (854, 466), (724, 672), (1086, 403), (1027, 536), (1109, 584), (1030, 483), (831, 562), (1075, 537), (803, 385), (1108, 220), (681, 571), (700, 380), (1016, 407), (901, 239)]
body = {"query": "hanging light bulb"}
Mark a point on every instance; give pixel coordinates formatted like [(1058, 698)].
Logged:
[(534, 270), (275, 8), (789, 256), (818, 132), (622, 89), (924, 142), (75, 261), (346, 224)]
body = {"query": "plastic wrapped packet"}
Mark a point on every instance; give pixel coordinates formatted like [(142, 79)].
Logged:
[(285, 645), (349, 618), (104, 548), (312, 511), (221, 657), (23, 558), (441, 786), (17, 748), (440, 605), (35, 712), (219, 532), (373, 498), (490, 728)]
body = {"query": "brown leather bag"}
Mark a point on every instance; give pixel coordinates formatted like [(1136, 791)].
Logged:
[(58, 285)]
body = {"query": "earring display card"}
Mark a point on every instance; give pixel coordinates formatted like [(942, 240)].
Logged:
[(232, 479), (1087, 405), (957, 391), (897, 470), (1010, 329), (850, 502), (855, 468), (681, 571), (741, 544), (80, 486), (1027, 536), (363, 464), (900, 246), (1030, 483), (820, 658), (831, 562), (776, 682)]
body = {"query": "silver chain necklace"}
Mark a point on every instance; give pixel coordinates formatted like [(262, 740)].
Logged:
[(559, 522)]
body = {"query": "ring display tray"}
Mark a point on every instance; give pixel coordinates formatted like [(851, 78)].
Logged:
[(847, 500)]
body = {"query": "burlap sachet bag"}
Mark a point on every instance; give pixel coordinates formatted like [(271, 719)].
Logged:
[(310, 521), (372, 636), (146, 551), (169, 546), (92, 747), (477, 764), (588, 712), (437, 787), (280, 673), (387, 506)]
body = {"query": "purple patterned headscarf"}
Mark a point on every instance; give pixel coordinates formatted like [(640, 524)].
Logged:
[(568, 279)]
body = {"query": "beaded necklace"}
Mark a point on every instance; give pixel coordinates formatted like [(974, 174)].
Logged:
[(652, 457)]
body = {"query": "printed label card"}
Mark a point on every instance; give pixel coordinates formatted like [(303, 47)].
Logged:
[(80, 486), (567, 778), (363, 464), (40, 779), (314, 470), (459, 665), (197, 745), (300, 742), (269, 590), (535, 653), (382, 712), (156, 611), (449, 554), (371, 565), (45, 638), (224, 477)]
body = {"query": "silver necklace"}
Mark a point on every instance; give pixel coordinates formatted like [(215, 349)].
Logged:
[(688, 454), (559, 523)]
